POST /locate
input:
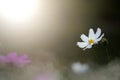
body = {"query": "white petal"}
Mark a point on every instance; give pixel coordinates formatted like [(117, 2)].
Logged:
[(82, 44), (88, 47), (84, 37), (100, 37), (98, 33), (91, 34)]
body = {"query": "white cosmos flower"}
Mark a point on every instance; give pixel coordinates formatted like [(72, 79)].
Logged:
[(93, 38)]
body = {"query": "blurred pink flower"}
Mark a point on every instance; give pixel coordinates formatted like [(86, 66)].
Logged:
[(15, 60), (44, 77)]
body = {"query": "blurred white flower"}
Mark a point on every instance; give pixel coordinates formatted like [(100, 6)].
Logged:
[(92, 39), (79, 68)]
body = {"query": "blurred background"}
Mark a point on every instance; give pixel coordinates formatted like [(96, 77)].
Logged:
[(47, 30)]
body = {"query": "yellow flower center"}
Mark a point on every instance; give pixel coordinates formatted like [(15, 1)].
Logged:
[(91, 41)]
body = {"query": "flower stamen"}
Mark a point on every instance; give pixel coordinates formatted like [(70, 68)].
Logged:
[(91, 41)]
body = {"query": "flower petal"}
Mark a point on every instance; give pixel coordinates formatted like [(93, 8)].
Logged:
[(91, 34), (12, 55), (3, 59), (24, 57), (45, 76), (82, 44), (22, 63), (98, 33), (88, 47), (84, 38), (100, 37)]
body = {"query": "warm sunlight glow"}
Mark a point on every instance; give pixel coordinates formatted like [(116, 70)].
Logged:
[(18, 10)]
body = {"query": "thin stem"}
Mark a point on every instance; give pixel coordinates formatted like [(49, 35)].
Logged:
[(95, 54), (108, 55)]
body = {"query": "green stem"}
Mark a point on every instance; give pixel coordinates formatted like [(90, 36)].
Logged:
[(95, 54), (108, 56)]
